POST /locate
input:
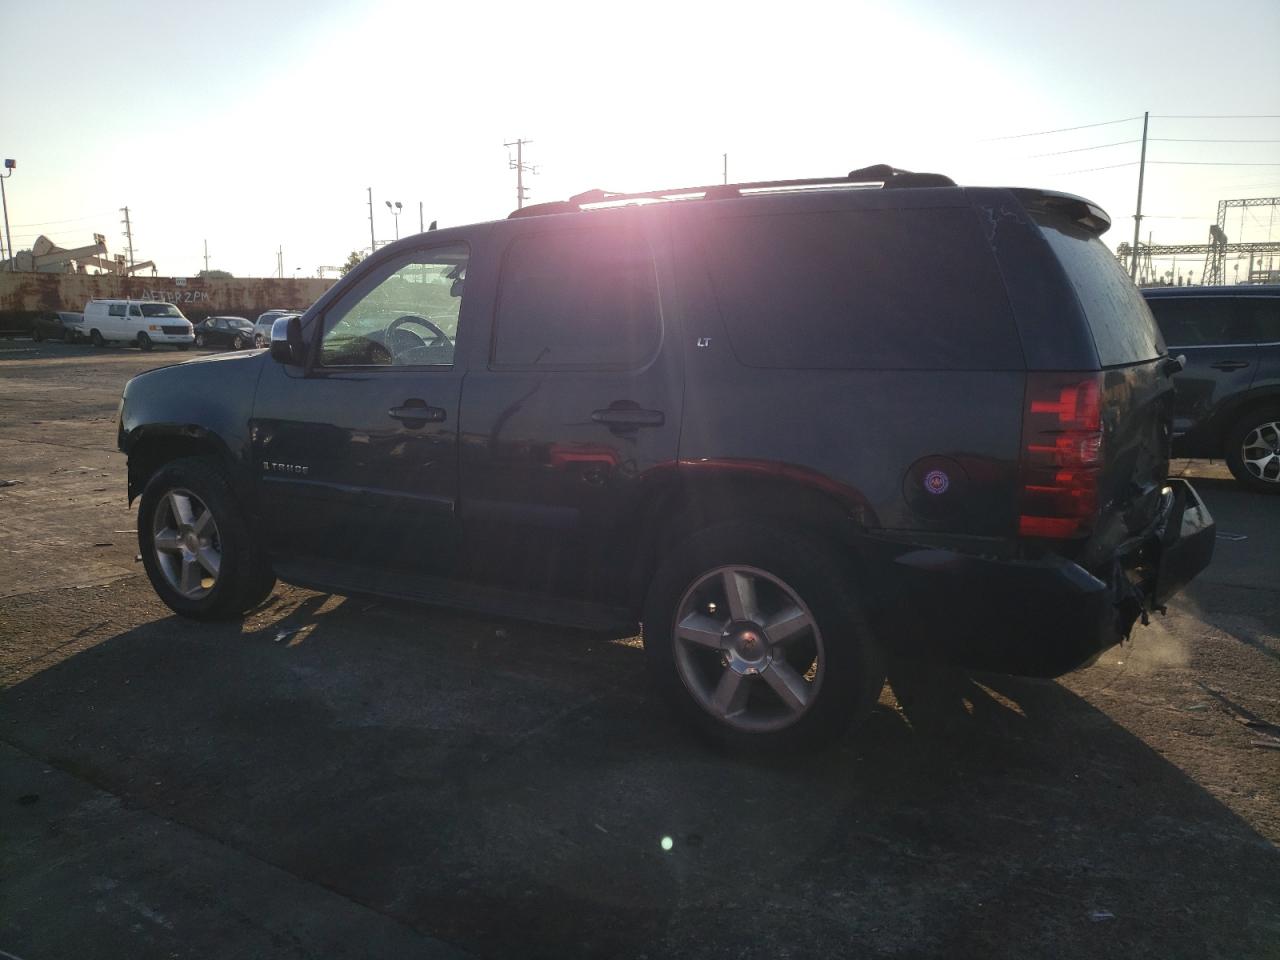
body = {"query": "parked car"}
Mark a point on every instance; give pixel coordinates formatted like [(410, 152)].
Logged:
[(143, 323), (262, 329), (737, 415), (56, 326), (233, 332), (1227, 398)]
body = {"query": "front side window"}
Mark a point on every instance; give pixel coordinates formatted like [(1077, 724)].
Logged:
[(578, 298), (116, 310), (134, 311), (407, 316)]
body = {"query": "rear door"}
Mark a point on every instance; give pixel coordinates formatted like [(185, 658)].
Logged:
[(1218, 340), (579, 401)]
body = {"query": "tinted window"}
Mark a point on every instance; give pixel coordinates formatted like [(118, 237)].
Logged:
[(116, 310), (1200, 321), (586, 297), (889, 289), (134, 311), (1122, 326), (404, 315), (158, 310), (1261, 316)]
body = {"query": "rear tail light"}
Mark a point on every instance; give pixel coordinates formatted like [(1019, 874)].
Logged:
[(1061, 454)]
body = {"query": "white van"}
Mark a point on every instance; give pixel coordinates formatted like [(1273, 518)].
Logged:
[(145, 323)]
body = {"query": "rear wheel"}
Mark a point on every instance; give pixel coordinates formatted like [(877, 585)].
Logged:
[(1253, 449), (96, 339), (196, 545), (753, 634), (36, 335), (144, 342)]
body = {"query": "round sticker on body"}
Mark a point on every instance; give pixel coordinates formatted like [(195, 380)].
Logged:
[(935, 481)]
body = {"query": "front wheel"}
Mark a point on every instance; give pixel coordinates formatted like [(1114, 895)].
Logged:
[(36, 335), (96, 339), (238, 343), (1253, 449), (200, 341), (144, 343), (754, 634), (196, 545)]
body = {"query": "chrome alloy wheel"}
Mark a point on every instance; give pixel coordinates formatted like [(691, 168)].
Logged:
[(748, 649), (187, 546), (1260, 452)]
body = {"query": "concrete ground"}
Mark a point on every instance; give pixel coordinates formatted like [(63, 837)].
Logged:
[(343, 778)]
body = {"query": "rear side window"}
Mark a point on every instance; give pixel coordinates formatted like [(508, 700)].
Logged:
[(1201, 321), (870, 289), (1122, 326), (116, 310), (586, 297)]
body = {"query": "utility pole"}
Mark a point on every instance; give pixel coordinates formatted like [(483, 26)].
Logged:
[(373, 244), (280, 262), (726, 168), (206, 256), (420, 229), (128, 234), (1137, 216), (9, 167), (520, 167)]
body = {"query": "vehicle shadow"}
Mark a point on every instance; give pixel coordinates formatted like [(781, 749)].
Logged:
[(516, 791)]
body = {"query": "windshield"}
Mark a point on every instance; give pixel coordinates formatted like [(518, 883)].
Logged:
[(161, 310)]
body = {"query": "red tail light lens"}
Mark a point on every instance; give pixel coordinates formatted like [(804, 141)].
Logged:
[(1061, 454)]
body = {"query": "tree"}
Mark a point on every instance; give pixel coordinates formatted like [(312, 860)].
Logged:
[(214, 275), (353, 261)]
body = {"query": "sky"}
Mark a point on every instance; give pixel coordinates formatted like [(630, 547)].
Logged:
[(259, 126)]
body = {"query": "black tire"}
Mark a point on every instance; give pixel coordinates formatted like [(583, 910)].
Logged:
[(1262, 426), (199, 339), (238, 343), (36, 335), (850, 672), (144, 343), (96, 339), (244, 577)]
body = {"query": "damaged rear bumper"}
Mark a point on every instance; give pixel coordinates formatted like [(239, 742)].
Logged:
[(1041, 617)]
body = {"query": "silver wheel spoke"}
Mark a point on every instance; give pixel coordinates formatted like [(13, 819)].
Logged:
[(740, 592), (168, 541), (787, 624), (730, 696), (787, 684), (202, 523), (189, 582), (181, 507), (210, 559), (700, 629)]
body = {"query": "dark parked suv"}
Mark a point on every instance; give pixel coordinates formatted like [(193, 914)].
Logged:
[(1227, 397), (792, 428)]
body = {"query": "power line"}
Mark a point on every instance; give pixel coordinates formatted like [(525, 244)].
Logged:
[(1100, 146), (1216, 116), (1113, 166), (1044, 133), (1198, 140), (1168, 163), (49, 223)]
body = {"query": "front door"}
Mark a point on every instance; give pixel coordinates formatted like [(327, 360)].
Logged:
[(578, 404), (358, 452)]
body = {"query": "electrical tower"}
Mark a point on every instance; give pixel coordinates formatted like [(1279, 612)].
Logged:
[(128, 235), (1215, 258), (521, 168)]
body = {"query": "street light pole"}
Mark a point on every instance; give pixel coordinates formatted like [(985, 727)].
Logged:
[(9, 167), (395, 212)]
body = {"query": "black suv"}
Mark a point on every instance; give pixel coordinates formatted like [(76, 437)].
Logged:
[(1227, 398), (792, 428)]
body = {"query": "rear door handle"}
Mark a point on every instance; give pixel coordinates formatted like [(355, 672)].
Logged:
[(629, 417), (417, 413), (1230, 364)]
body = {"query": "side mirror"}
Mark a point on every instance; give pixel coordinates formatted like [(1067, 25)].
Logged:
[(286, 340)]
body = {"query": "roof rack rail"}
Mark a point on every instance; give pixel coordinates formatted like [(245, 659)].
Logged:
[(889, 177)]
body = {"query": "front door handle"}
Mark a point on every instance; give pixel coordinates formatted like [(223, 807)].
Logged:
[(1230, 364), (416, 413), (629, 417)]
